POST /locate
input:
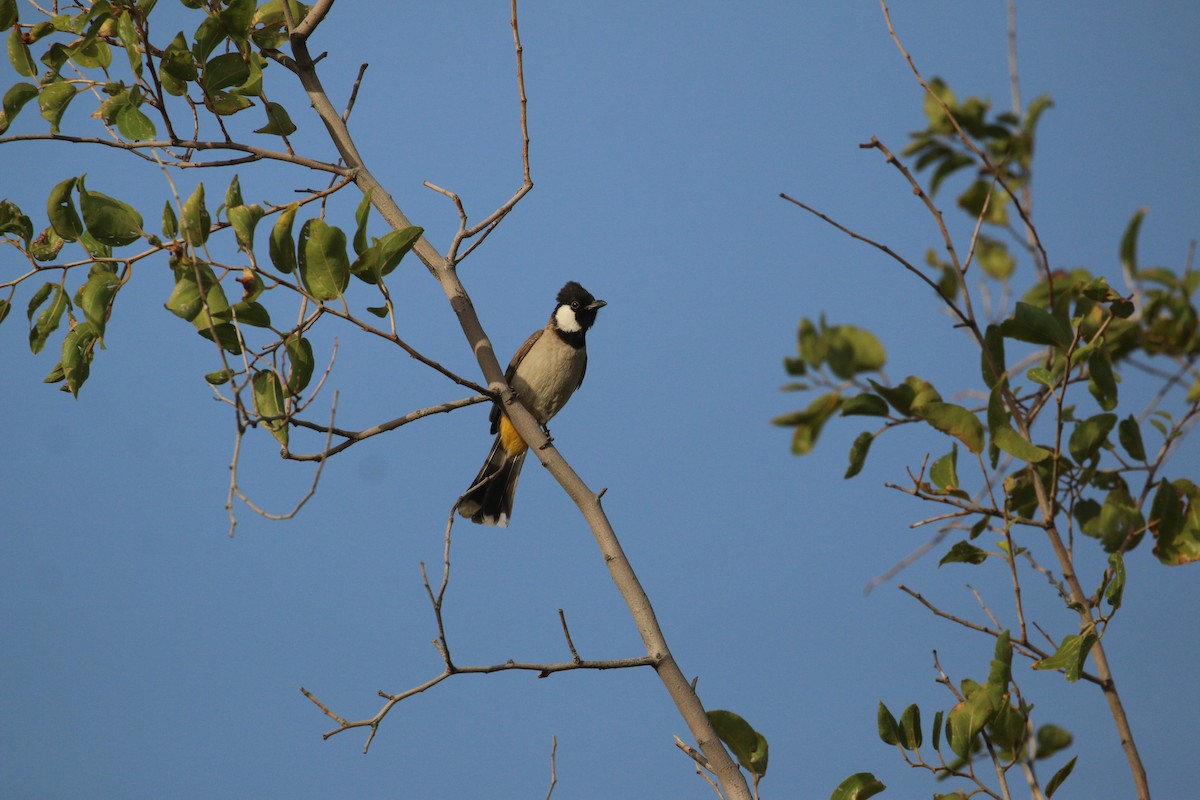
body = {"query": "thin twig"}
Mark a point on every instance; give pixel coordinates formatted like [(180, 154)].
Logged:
[(553, 768), (312, 489), (567, 633), (353, 437), (254, 153)]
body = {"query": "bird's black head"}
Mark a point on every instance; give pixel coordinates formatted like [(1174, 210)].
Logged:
[(576, 309)]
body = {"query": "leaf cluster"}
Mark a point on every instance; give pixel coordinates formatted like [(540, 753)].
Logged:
[(1044, 456), (989, 720)]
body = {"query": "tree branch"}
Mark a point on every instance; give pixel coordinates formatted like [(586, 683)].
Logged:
[(444, 270)]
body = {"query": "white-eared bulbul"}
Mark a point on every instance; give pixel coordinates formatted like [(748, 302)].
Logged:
[(544, 373)]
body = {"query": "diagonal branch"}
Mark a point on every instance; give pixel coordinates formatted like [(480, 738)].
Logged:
[(444, 270), (352, 437)]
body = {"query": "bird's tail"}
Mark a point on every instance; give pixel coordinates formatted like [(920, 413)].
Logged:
[(489, 501)]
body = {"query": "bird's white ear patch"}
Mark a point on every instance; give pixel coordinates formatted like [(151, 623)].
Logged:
[(564, 318)]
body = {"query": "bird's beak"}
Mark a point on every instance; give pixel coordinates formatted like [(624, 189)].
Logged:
[(594, 306)]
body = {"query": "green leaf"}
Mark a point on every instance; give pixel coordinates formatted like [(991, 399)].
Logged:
[(385, 254), (53, 102), (77, 352), (937, 730), (236, 18), (859, 786), (889, 729), (178, 66), (46, 246), (47, 321), (219, 377), (282, 246), (1129, 261), (1043, 376), (909, 396), (858, 453), (278, 121), (853, 350), (1102, 383), (1000, 672), (194, 285), (270, 14), (268, 402), (129, 40), (225, 71), (37, 298), (1008, 729), (8, 13), (233, 195), (19, 55), (992, 356), (170, 224), (810, 344), (95, 296), (5, 307), (194, 222), (110, 222), (1059, 777), (910, 728), (13, 221), (224, 333), (955, 421), (939, 94), (324, 264), (135, 125), (1037, 326), (14, 100), (1175, 522), (225, 104), (1006, 438), (1089, 435), (993, 257), (1051, 739), (1070, 656), (61, 210), (866, 405), (1115, 590), (244, 220), (972, 201), (809, 422), (91, 53), (301, 363), (379, 311), (1117, 524), (746, 744), (251, 313), (964, 553), (944, 472), (1129, 434), (966, 720), (361, 214), (56, 374)]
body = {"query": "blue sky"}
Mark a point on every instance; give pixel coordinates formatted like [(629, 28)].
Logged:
[(148, 654)]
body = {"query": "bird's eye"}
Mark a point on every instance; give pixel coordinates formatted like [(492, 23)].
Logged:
[(574, 305)]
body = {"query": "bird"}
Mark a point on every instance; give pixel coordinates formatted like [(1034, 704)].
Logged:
[(544, 373)]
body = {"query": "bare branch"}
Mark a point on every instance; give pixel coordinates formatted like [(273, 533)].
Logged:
[(254, 153), (1022, 210), (567, 633), (353, 437), (1022, 646), (234, 488), (553, 768), (855, 235)]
